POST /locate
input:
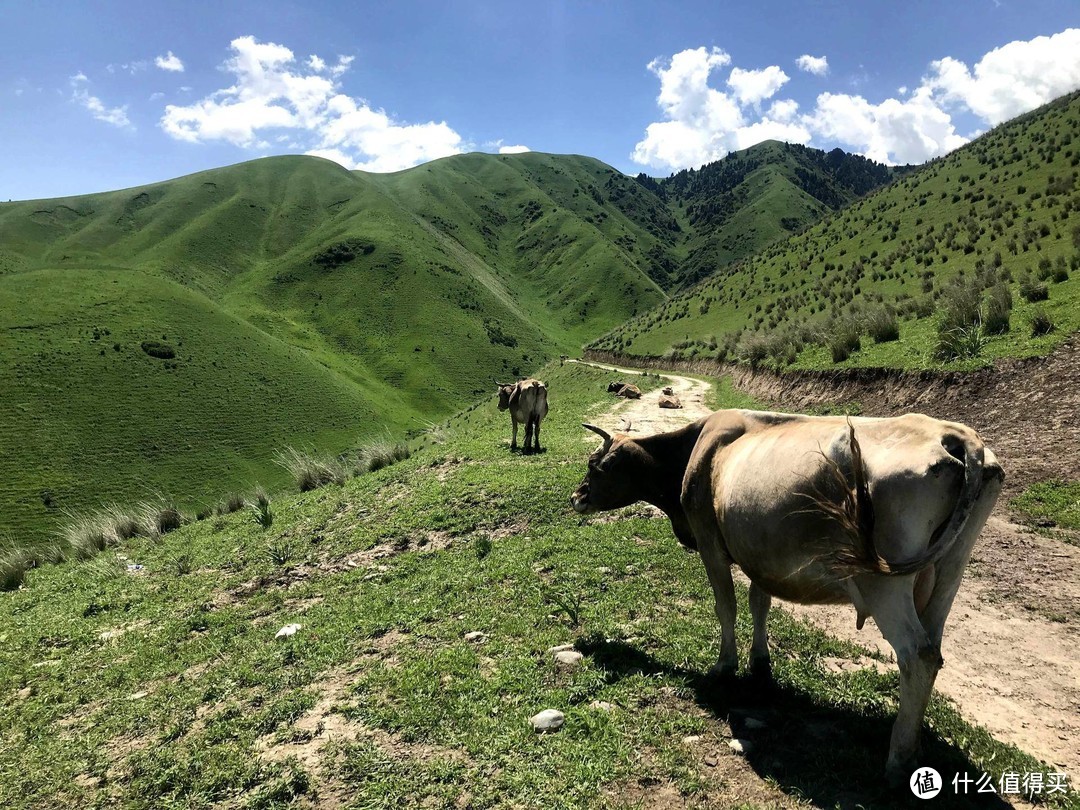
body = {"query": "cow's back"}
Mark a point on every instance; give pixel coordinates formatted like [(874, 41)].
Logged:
[(532, 400)]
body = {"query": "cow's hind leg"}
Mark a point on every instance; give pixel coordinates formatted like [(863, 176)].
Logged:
[(513, 441), (760, 602), (891, 603), (536, 436), (528, 446)]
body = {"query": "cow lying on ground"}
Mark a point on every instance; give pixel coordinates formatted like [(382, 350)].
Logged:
[(621, 389), (882, 513), (527, 403)]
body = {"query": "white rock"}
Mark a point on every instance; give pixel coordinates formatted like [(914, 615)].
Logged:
[(560, 648), (693, 738), (547, 720), (740, 746), (602, 705), (287, 630), (568, 659), (476, 637)]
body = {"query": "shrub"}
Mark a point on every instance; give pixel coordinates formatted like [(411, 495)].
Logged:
[(1041, 322), (843, 339), (1031, 290), (155, 348), (161, 518), (13, 566), (752, 349), (997, 309)]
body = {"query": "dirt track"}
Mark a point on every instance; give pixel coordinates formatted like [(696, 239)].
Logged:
[(1010, 646)]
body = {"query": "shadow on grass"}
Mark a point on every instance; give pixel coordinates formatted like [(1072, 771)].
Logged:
[(832, 756)]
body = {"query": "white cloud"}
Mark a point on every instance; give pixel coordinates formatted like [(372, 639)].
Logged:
[(271, 91), (129, 67), (170, 62), (818, 65), (1012, 79), (704, 124), (754, 86), (513, 150), (117, 116)]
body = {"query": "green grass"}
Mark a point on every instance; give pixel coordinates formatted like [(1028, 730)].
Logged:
[(1054, 501), (1000, 208), (178, 709)]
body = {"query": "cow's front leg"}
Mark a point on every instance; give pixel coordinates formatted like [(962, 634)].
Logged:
[(513, 441), (719, 570), (760, 602)]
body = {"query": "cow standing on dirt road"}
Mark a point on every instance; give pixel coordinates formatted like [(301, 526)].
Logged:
[(881, 513)]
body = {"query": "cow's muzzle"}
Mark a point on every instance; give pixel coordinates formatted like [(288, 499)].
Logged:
[(580, 501)]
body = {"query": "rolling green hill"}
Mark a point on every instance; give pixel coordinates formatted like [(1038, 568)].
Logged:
[(972, 256), (296, 303)]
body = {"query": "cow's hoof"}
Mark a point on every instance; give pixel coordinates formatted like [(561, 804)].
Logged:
[(898, 774), (723, 674), (761, 671)]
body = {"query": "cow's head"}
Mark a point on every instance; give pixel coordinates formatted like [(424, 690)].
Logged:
[(507, 394), (612, 480), (612, 388)]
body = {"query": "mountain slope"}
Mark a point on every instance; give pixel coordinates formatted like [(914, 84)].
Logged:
[(311, 304), (997, 218)]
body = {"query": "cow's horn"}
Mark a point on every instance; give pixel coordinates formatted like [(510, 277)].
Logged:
[(603, 434), (501, 385)]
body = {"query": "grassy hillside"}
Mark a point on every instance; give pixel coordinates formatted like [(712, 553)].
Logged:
[(934, 257), (305, 304), (164, 686)]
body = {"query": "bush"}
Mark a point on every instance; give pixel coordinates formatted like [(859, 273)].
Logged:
[(752, 349), (86, 536), (232, 503), (1041, 322), (161, 518), (381, 454), (843, 339), (1032, 290), (155, 348), (997, 309), (13, 566)]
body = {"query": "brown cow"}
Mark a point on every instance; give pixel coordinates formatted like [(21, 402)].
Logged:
[(625, 390), (527, 402), (880, 513)]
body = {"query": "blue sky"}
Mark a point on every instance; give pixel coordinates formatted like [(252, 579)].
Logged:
[(109, 95)]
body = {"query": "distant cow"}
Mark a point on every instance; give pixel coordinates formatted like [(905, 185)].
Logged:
[(879, 513), (669, 401), (621, 389), (668, 391), (527, 403)]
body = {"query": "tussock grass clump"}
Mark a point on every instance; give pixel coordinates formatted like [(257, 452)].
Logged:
[(311, 471), (961, 343), (86, 536), (123, 525), (883, 325), (1041, 322), (381, 454), (997, 310), (233, 502), (260, 509), (843, 340), (1032, 290), (14, 563)]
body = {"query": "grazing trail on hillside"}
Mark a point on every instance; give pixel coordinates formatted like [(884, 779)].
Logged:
[(1009, 665)]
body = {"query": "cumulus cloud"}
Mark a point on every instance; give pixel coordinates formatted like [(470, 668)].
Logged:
[(513, 150), (170, 62), (80, 94), (818, 65), (272, 92), (754, 86), (702, 123), (1012, 79)]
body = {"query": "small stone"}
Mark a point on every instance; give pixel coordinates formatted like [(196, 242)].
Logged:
[(287, 630), (559, 649), (739, 746), (138, 695), (711, 760), (24, 693), (693, 738), (476, 637), (568, 659), (548, 720)]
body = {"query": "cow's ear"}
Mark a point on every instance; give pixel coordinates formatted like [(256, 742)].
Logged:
[(515, 393)]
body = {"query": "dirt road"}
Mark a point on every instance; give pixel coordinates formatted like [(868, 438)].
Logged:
[(1010, 647)]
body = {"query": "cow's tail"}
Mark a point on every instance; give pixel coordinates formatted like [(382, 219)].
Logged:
[(855, 514)]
